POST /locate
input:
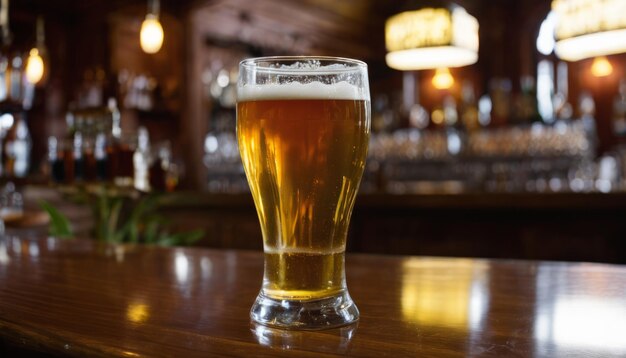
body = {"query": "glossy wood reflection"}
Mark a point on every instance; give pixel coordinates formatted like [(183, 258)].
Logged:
[(79, 298)]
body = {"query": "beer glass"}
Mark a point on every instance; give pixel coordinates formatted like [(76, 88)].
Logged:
[(303, 127)]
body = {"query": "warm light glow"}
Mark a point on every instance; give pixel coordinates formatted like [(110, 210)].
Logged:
[(437, 116), (137, 312), (34, 67), (151, 35), (443, 79), (589, 28), (444, 293), (431, 38), (601, 67)]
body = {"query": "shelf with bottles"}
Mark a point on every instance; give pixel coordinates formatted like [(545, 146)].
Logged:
[(564, 138), (96, 152)]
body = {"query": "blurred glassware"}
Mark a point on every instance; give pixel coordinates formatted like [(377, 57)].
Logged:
[(137, 91), (11, 203), (16, 145), (535, 157), (500, 92), (124, 173), (163, 174), (619, 110), (225, 170)]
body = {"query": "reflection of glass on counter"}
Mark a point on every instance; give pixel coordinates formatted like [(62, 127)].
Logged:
[(445, 293), (333, 341)]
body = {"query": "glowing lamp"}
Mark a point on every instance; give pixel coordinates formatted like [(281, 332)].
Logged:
[(601, 67), (151, 36), (431, 38), (34, 67), (443, 79), (589, 28)]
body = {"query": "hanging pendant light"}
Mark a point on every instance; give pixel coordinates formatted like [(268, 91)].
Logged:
[(16, 90), (443, 80), (589, 28), (601, 67), (151, 35), (431, 38), (35, 63)]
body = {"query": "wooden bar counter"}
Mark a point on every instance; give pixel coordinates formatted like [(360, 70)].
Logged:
[(80, 298)]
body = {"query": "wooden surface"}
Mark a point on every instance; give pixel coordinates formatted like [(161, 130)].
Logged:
[(77, 298)]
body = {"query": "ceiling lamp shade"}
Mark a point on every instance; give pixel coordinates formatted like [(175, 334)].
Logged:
[(431, 38), (589, 28)]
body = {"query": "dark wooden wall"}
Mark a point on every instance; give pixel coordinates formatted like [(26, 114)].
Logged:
[(569, 227)]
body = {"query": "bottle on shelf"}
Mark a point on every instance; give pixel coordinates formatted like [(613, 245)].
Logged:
[(141, 161), (100, 153), (77, 151), (527, 106), (619, 110), (160, 179), (55, 160), (469, 108), (562, 107), (16, 146)]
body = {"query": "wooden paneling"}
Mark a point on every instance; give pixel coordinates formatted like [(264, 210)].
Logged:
[(569, 227)]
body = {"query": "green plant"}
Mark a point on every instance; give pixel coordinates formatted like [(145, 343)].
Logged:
[(59, 224), (122, 216)]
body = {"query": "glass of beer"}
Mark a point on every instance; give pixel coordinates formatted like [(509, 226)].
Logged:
[(303, 127)]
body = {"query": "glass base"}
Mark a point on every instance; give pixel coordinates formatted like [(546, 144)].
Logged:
[(323, 313)]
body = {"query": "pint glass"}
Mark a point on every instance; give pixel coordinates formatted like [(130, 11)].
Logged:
[(303, 127)]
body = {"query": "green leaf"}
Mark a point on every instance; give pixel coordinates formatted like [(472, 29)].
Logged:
[(59, 224)]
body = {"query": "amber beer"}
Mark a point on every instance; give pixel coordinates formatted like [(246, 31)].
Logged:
[(303, 130), (304, 158)]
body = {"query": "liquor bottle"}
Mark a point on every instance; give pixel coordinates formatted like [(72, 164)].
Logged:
[(619, 110), (469, 108), (55, 160), (159, 168), (141, 160), (77, 153), (562, 107), (100, 155), (500, 92), (455, 131), (527, 106), (16, 146)]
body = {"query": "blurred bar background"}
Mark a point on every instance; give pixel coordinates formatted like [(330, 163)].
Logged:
[(504, 149)]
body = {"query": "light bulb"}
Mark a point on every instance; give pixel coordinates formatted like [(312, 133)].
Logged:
[(151, 36), (34, 67), (601, 67), (443, 79)]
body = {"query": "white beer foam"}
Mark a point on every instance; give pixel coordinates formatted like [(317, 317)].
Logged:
[(296, 90)]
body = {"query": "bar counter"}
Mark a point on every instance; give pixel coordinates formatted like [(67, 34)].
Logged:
[(553, 226), (81, 298), (532, 226)]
